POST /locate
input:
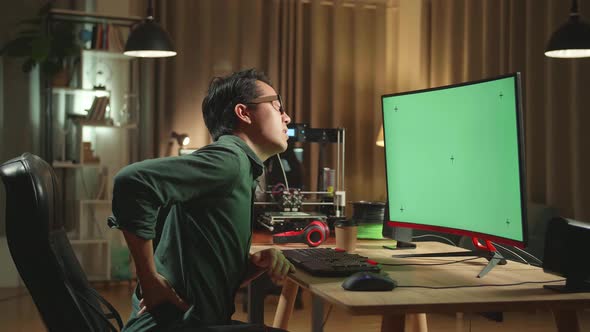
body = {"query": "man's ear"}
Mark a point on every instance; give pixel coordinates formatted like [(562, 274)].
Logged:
[(243, 113)]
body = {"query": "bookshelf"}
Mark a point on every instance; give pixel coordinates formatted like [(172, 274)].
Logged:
[(90, 138)]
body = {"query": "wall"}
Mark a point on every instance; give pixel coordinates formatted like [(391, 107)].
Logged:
[(20, 103), (20, 115)]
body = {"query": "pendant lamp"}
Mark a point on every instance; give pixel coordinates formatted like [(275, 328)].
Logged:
[(571, 40), (148, 39)]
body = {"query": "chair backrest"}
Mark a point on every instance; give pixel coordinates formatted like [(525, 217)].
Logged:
[(42, 252)]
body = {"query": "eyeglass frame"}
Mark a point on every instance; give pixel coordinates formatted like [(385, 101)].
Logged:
[(269, 99)]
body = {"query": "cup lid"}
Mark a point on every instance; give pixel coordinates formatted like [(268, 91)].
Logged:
[(345, 223)]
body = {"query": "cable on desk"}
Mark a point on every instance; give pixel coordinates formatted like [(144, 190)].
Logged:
[(540, 262), (431, 264), (436, 236), (327, 315), (483, 285), (513, 253), (526, 253)]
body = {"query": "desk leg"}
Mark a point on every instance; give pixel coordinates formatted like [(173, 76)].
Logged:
[(393, 323), (317, 314), (416, 323), (256, 302), (566, 321), (285, 305), (407, 323)]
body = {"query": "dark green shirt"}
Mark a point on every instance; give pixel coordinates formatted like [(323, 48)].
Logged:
[(205, 240)]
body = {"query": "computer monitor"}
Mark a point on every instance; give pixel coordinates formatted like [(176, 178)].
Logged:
[(454, 161)]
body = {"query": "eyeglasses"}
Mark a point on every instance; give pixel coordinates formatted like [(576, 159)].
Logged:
[(275, 101)]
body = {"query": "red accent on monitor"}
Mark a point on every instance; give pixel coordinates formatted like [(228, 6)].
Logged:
[(488, 247), (459, 232)]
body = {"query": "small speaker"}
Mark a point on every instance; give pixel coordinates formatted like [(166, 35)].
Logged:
[(566, 243)]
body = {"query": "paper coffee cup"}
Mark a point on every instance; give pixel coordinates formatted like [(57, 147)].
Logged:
[(346, 237)]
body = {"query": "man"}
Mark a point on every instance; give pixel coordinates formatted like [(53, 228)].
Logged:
[(205, 199)]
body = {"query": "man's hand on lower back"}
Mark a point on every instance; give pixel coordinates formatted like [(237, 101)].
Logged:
[(158, 291)]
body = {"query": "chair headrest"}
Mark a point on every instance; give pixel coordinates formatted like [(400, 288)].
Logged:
[(33, 184)]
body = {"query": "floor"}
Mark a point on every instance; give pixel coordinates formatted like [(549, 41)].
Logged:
[(18, 314)]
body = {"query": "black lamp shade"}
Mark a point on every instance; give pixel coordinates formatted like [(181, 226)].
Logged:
[(571, 40), (149, 40)]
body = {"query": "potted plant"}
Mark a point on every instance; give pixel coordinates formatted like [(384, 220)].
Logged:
[(56, 52)]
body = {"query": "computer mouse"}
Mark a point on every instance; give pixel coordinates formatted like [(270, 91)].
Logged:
[(369, 281)]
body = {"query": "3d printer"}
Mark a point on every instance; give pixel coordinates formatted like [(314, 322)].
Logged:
[(289, 212)]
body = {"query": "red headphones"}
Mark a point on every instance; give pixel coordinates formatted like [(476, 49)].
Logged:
[(314, 234)]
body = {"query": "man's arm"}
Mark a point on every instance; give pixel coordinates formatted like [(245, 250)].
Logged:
[(142, 189), (155, 288)]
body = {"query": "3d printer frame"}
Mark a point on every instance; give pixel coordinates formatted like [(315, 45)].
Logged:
[(289, 201)]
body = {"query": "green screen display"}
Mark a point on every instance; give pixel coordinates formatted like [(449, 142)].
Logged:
[(453, 160)]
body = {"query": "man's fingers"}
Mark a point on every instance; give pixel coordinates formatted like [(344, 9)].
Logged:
[(281, 269), (278, 267), (141, 311), (285, 269), (275, 260)]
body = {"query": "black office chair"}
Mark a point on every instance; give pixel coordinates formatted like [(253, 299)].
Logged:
[(42, 253)]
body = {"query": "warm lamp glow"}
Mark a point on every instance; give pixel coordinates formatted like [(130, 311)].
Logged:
[(181, 139), (380, 141), (150, 54)]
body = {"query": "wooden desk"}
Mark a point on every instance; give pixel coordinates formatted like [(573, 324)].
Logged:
[(401, 308)]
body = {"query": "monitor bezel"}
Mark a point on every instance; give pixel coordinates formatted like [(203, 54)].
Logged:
[(521, 161)]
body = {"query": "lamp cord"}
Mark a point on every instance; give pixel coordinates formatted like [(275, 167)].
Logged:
[(283, 170), (574, 10), (150, 9)]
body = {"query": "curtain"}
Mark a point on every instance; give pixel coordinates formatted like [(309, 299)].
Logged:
[(478, 39), (330, 60), (336, 59), (212, 38)]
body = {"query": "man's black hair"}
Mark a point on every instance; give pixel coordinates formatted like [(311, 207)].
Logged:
[(222, 97)]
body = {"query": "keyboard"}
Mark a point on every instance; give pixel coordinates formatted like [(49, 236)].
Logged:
[(327, 262)]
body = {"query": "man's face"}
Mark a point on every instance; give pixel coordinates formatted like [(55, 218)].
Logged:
[(269, 122)]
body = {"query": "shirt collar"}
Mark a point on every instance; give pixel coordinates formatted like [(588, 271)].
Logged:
[(257, 165)]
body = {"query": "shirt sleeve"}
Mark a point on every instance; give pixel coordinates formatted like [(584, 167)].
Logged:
[(142, 188)]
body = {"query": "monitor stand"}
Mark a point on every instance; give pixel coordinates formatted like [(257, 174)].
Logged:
[(488, 251), (404, 245)]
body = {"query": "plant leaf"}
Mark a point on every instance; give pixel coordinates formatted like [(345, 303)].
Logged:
[(28, 65), (30, 32), (40, 48), (51, 67), (18, 47)]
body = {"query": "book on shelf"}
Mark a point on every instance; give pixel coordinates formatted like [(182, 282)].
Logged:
[(97, 36), (108, 37), (105, 35), (98, 108), (116, 39)]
